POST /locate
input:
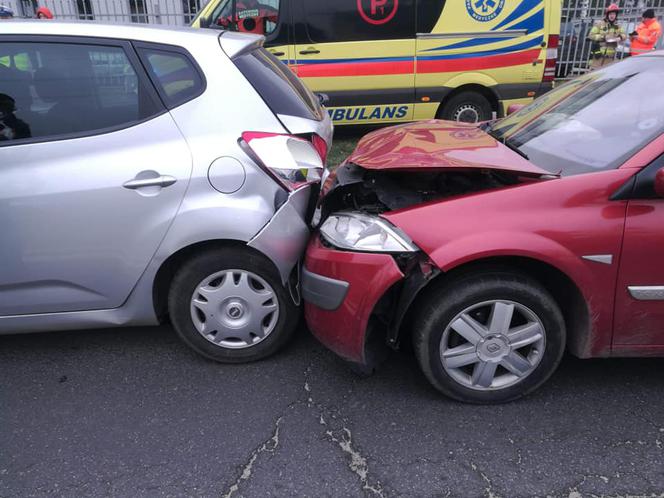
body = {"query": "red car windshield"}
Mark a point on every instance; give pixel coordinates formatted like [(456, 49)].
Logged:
[(592, 123)]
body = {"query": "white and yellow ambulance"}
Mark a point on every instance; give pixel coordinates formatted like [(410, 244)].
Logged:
[(388, 61)]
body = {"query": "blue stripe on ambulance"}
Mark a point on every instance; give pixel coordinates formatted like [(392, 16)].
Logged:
[(525, 6), (503, 50), (512, 48), (532, 23)]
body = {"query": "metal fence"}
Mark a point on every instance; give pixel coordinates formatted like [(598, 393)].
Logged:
[(578, 17), (166, 12)]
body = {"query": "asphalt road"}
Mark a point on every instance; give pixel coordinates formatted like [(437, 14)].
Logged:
[(134, 413)]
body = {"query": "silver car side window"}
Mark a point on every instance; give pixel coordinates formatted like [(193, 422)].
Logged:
[(62, 89)]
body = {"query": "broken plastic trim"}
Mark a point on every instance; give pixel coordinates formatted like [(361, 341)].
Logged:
[(416, 280), (387, 317)]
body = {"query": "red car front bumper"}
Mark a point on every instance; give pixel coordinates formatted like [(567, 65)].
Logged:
[(340, 290)]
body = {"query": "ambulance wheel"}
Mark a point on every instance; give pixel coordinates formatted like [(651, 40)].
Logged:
[(466, 107)]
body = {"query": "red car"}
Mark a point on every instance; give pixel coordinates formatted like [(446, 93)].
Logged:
[(494, 248)]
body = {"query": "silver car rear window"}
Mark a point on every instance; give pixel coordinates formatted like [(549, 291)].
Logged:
[(282, 91)]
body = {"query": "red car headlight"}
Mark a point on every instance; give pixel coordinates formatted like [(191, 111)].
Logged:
[(365, 233)]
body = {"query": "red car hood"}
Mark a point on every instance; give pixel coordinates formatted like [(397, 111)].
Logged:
[(438, 145)]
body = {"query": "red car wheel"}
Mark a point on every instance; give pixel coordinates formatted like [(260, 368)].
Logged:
[(489, 338)]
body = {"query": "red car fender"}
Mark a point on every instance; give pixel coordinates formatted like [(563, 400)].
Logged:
[(541, 249), (555, 222), (516, 244), (369, 276)]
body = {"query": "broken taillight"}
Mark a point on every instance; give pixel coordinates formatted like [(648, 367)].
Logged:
[(290, 160)]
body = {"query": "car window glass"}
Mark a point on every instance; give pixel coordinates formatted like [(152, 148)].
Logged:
[(593, 123), (281, 90), (247, 16), (59, 89), (174, 74), (428, 14), (358, 20)]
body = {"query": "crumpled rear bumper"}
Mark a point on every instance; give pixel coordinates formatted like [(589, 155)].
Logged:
[(285, 236), (340, 290)]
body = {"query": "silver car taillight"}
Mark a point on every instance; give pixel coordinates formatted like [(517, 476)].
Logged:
[(290, 160)]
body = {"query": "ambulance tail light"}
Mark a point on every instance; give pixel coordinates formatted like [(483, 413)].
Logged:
[(551, 58), (290, 160)]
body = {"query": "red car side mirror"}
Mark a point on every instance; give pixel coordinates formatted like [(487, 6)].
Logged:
[(514, 108), (659, 183)]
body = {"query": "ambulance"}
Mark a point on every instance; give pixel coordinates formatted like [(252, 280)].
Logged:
[(391, 61)]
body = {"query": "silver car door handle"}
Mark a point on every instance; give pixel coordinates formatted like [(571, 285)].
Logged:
[(160, 181)]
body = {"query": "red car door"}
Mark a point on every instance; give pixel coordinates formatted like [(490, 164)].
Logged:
[(639, 313)]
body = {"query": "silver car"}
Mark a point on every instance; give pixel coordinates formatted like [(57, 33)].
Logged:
[(150, 174)]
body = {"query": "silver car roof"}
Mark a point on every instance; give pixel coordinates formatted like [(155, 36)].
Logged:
[(231, 42)]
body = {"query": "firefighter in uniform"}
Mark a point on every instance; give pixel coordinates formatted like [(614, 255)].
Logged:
[(605, 36)]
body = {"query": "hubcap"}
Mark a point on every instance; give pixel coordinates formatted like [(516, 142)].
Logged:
[(235, 309), (467, 113), (492, 345)]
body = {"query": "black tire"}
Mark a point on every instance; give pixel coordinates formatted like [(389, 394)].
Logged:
[(444, 303), (475, 102), (201, 266)]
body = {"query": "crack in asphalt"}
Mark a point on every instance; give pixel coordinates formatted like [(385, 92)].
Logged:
[(658, 427), (489, 489), (357, 464), (337, 431), (575, 493), (574, 490), (343, 438), (519, 456), (269, 446)]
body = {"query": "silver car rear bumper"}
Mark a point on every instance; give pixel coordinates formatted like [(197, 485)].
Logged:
[(285, 236)]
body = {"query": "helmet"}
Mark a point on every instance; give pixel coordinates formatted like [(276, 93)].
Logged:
[(6, 11), (45, 11), (612, 8)]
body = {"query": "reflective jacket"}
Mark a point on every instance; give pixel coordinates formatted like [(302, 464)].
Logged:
[(647, 34), (605, 36)]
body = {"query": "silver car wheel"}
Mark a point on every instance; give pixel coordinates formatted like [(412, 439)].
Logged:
[(235, 309), (492, 345), (467, 113)]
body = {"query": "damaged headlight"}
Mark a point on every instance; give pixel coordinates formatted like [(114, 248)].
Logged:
[(363, 232)]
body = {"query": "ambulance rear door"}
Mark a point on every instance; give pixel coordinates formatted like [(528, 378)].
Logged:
[(361, 54)]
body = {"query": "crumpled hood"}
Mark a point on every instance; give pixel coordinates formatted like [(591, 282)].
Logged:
[(436, 145)]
